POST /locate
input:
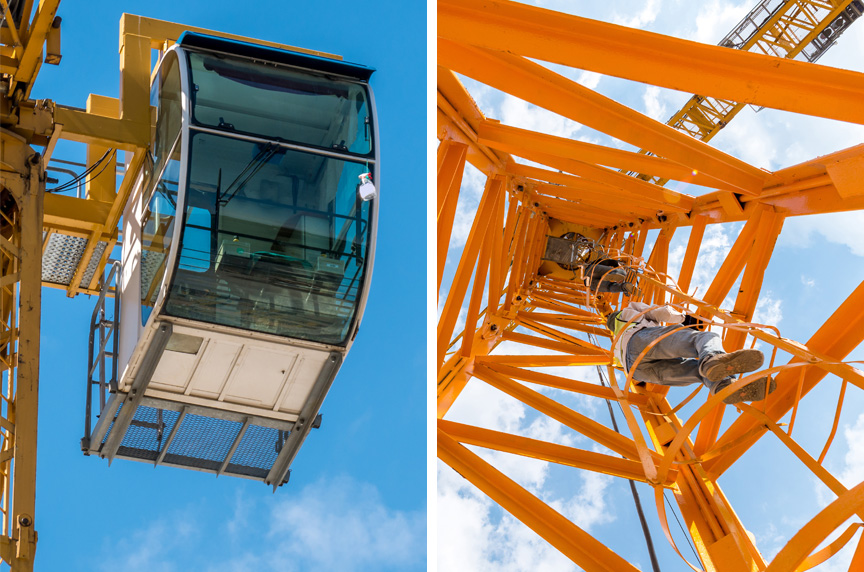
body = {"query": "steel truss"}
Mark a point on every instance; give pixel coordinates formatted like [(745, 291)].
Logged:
[(556, 319)]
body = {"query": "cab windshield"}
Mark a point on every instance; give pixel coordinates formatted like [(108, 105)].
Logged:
[(256, 98), (273, 240)]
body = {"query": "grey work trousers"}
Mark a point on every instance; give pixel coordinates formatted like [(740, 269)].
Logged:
[(674, 360), (598, 271)]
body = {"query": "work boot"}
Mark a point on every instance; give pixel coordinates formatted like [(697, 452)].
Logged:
[(723, 365), (615, 277), (630, 289), (753, 391)]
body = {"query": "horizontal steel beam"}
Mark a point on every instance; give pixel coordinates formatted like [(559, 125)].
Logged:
[(542, 87), (654, 59)]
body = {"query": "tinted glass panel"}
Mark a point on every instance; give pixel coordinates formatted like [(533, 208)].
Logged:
[(165, 95), (273, 241), (276, 102), (157, 229)]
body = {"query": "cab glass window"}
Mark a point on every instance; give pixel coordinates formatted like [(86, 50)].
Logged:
[(243, 96)]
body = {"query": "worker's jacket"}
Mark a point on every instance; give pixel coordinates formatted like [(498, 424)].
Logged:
[(653, 318)]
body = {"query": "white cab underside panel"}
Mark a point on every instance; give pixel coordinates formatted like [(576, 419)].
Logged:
[(238, 374)]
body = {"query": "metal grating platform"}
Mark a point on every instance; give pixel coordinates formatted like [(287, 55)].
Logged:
[(196, 441), (62, 256)]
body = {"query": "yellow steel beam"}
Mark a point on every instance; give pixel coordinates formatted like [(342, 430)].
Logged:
[(847, 176), (538, 85), (496, 188), (24, 24), (572, 419), (520, 141), (569, 539), (558, 382), (464, 117), (562, 321), (22, 386), (770, 225), (735, 260), (31, 57), (451, 166), (839, 335), (134, 77), (693, 244), (71, 213), (102, 185), (540, 360), (161, 32), (122, 134), (536, 449), (465, 269), (593, 174), (586, 187), (582, 208), (521, 229), (654, 59), (497, 267), (450, 129), (812, 534)]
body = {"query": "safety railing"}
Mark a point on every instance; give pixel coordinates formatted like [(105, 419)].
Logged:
[(103, 349)]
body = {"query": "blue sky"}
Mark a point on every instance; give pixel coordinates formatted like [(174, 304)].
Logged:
[(817, 262), (357, 496)]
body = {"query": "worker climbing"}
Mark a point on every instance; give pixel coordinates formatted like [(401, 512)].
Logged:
[(681, 355), (600, 273)]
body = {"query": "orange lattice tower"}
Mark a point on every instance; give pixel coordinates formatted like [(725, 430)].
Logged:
[(546, 316)]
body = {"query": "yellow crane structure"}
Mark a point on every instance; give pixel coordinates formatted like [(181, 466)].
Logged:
[(549, 318), (65, 241)]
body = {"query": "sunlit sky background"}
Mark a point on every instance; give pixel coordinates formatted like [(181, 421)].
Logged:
[(357, 495), (817, 262)]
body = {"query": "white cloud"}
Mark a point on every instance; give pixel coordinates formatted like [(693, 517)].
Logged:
[(470, 192), (853, 471), (768, 310), (589, 79), (333, 524), (850, 475), (716, 18), (639, 19), (754, 140), (342, 524), (154, 547), (845, 228), (654, 107), (476, 534), (588, 508), (716, 243), (807, 281), (520, 113)]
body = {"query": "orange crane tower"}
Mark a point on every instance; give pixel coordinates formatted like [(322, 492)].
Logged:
[(550, 319)]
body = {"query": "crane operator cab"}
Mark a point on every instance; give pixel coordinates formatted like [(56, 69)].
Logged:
[(247, 253)]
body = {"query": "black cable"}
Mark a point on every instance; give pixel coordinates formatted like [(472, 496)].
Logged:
[(655, 565), (79, 178), (684, 532)]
